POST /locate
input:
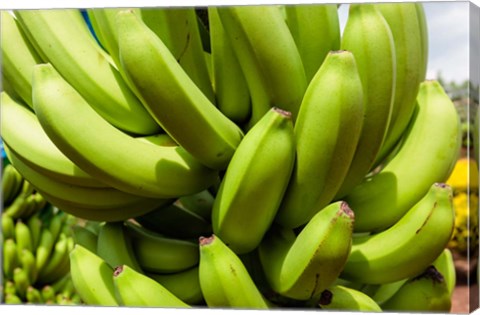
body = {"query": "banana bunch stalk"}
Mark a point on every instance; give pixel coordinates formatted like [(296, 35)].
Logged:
[(251, 157)]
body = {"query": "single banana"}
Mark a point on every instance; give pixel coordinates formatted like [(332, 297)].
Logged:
[(10, 259), (224, 280), (44, 248), (445, 264), (23, 237), (268, 56), (34, 147), (341, 298), (175, 221), (302, 266), (238, 207), (85, 237), (326, 133), (230, 85), (158, 172), (403, 22), (414, 242), (115, 246), (92, 278), (179, 30), (173, 99), (18, 57), (22, 282), (64, 38), (11, 182), (368, 36), (428, 292), (34, 296), (383, 198), (316, 31), (48, 294), (27, 262), (8, 226), (133, 288), (161, 254), (13, 299), (17, 208), (184, 284)]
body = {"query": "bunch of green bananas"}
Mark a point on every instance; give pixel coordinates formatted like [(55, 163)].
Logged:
[(36, 240), (256, 158)]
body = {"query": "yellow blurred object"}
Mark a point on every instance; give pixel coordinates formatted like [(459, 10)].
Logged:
[(465, 234), (464, 174)]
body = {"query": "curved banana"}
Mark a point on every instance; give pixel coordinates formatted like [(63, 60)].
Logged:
[(413, 243), (92, 278), (231, 88), (238, 206), (179, 30), (173, 99), (21, 280), (158, 172), (12, 181), (44, 248), (224, 280), (184, 284), (383, 198), (23, 237), (316, 31), (18, 57), (159, 254), (10, 259), (27, 262), (8, 226), (368, 36), (341, 298), (403, 22), (64, 38), (175, 221), (302, 266), (133, 288), (54, 269), (268, 56), (34, 147), (326, 133), (446, 266), (114, 245), (427, 292)]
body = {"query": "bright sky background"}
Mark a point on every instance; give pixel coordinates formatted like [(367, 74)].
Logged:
[(448, 26)]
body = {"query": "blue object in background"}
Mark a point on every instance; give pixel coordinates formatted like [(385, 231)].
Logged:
[(89, 23)]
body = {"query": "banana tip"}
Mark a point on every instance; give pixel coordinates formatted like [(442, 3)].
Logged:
[(202, 240), (325, 297), (345, 208), (118, 270), (283, 112)]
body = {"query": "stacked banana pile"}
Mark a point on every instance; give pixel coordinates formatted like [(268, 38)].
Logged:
[(36, 242), (240, 157)]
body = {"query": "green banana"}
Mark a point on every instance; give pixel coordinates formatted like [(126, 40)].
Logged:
[(85, 237), (35, 224), (445, 264), (175, 221), (403, 22), (368, 36), (173, 99), (179, 30), (12, 181), (34, 296), (159, 172), (383, 198), (92, 278), (160, 254), (9, 287), (428, 292), (184, 284), (422, 21), (414, 242), (27, 262), (64, 38), (316, 31), (133, 288), (8, 226), (34, 147), (44, 248), (22, 282), (53, 270), (326, 133), (268, 56), (230, 85), (238, 207), (48, 294), (18, 57), (17, 208), (224, 280), (10, 259), (115, 246), (23, 237), (341, 298), (302, 266)]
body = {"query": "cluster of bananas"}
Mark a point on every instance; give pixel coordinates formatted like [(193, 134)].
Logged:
[(36, 245), (256, 158), (464, 182)]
